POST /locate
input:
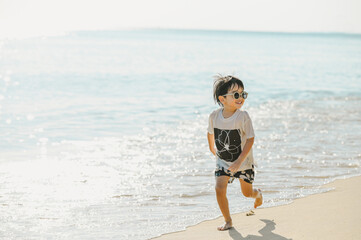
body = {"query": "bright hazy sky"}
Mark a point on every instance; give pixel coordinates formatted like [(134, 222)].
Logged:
[(28, 17)]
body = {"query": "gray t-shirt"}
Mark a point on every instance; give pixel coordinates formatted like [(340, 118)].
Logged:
[(230, 135)]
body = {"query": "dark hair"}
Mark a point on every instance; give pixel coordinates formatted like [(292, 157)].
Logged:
[(222, 84)]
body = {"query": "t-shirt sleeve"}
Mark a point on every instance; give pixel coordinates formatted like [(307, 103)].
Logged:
[(248, 127), (210, 124)]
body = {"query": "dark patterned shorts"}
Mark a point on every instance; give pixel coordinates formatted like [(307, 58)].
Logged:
[(247, 175)]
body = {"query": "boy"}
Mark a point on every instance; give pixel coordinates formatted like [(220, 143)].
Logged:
[(231, 131)]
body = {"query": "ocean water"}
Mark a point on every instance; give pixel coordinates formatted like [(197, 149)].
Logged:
[(103, 133)]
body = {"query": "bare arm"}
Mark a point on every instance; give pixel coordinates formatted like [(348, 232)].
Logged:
[(247, 148), (210, 138)]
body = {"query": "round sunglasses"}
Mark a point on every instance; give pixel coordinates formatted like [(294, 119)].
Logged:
[(237, 95)]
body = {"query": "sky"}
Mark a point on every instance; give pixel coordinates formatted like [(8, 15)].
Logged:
[(31, 17)]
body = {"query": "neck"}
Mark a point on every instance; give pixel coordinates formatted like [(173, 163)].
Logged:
[(227, 112)]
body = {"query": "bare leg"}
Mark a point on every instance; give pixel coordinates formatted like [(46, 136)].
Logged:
[(221, 192), (248, 191)]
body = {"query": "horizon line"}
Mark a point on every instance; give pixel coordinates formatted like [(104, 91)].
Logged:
[(221, 30), (66, 32)]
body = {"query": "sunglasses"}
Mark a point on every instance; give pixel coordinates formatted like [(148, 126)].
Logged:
[(237, 95)]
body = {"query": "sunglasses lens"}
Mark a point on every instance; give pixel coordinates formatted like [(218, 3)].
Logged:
[(244, 95), (236, 95)]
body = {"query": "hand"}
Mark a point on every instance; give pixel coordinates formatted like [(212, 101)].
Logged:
[(234, 167)]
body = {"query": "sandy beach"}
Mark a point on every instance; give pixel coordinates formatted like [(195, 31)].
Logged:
[(335, 214)]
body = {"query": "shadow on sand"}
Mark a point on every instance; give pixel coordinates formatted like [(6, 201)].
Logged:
[(266, 233)]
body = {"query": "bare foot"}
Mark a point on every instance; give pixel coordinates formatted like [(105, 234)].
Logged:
[(259, 199), (226, 226)]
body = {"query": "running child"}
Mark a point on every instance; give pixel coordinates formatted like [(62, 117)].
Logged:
[(230, 138)]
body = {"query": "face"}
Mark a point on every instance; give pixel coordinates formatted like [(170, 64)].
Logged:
[(230, 102)]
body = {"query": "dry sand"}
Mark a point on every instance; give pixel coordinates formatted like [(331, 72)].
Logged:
[(332, 215)]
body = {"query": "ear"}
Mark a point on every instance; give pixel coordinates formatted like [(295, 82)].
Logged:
[(221, 99)]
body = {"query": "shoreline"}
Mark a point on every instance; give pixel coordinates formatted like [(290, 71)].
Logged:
[(334, 214)]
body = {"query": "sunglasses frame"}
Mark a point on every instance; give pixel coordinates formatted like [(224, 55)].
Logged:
[(243, 95)]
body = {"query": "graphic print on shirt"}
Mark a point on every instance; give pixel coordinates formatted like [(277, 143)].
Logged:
[(228, 143)]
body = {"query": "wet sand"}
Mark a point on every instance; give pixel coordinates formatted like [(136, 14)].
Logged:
[(332, 215)]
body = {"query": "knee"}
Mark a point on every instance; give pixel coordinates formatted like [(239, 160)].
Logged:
[(247, 194), (220, 190)]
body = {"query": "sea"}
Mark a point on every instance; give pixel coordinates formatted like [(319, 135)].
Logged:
[(103, 133)]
